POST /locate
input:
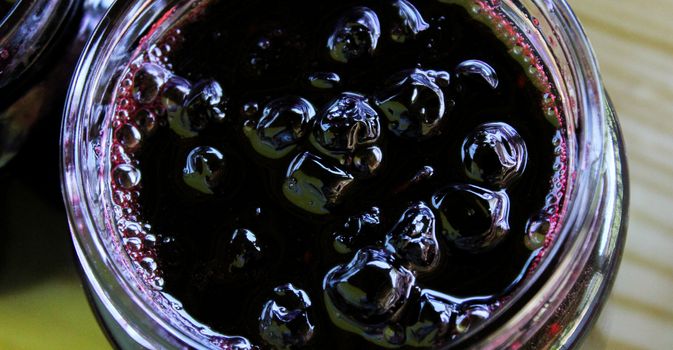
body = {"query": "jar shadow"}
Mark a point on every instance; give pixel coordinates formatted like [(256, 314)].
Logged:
[(34, 236)]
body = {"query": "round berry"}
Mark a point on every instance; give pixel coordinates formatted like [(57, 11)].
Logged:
[(355, 35), (284, 122), (434, 322), (475, 75), (207, 100), (494, 154), (347, 123), (408, 22), (357, 230), (243, 249), (204, 169), (414, 104), (367, 161), (369, 290), (314, 184), (285, 321), (324, 80), (413, 238), (474, 219)]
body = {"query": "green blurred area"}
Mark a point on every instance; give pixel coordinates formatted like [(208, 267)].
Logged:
[(42, 303), (51, 314)]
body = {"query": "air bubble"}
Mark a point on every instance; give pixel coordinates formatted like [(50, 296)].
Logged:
[(470, 317), (275, 53), (146, 121), (126, 176), (150, 240), (148, 82), (158, 283), (538, 228), (149, 264), (250, 109), (133, 244), (129, 137)]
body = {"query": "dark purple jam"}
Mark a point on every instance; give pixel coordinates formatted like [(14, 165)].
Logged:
[(337, 174)]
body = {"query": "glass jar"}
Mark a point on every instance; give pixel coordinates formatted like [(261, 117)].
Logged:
[(555, 307), (40, 41)]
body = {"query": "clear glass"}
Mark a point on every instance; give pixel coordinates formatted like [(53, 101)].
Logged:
[(30, 34), (553, 309)]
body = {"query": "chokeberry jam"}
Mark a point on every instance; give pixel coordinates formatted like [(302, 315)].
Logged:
[(337, 174)]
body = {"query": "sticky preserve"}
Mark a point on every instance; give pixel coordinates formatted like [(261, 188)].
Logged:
[(337, 174)]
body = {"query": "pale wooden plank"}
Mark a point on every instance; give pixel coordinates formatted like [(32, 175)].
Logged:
[(634, 45)]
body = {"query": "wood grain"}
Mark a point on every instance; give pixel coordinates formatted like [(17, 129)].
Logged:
[(634, 44)]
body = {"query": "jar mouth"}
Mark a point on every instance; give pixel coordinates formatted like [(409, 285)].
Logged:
[(575, 74)]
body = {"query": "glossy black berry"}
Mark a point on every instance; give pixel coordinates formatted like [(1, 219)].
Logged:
[(347, 123), (475, 75), (368, 290), (204, 169), (243, 249), (433, 323), (473, 219), (285, 320), (494, 154), (355, 35), (314, 184), (414, 104), (283, 124), (413, 238)]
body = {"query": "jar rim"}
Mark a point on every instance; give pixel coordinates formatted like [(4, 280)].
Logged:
[(28, 37), (580, 201)]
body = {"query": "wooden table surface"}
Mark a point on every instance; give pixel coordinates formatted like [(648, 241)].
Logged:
[(42, 305)]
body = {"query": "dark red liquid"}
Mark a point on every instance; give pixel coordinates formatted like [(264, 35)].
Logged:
[(265, 147)]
